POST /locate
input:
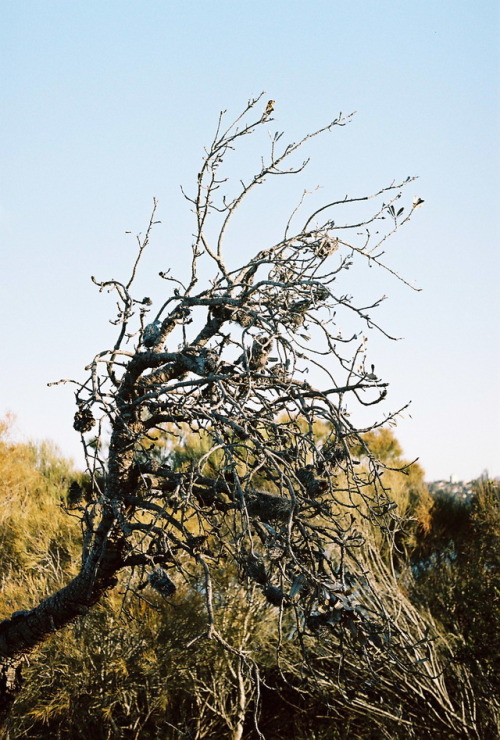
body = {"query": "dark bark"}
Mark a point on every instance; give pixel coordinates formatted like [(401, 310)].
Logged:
[(25, 630), (10, 685)]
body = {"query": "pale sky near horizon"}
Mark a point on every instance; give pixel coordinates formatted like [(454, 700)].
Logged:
[(107, 105)]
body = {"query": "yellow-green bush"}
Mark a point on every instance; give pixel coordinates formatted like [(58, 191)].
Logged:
[(39, 542), (140, 666)]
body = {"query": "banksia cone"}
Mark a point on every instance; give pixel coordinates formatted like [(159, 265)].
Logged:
[(274, 595), (256, 570), (295, 320), (314, 486), (159, 580), (268, 507), (84, 420), (75, 494), (320, 293), (256, 358), (332, 454), (260, 352), (326, 247), (221, 312), (151, 334), (242, 318)]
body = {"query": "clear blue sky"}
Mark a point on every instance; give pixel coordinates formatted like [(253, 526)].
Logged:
[(107, 104)]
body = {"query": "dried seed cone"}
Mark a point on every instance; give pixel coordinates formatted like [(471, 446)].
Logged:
[(256, 570), (159, 580), (244, 319), (83, 421), (274, 595), (75, 494)]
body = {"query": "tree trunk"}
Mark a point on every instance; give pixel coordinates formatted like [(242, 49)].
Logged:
[(25, 630)]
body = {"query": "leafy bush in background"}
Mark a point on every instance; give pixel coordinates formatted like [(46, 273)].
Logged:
[(139, 667)]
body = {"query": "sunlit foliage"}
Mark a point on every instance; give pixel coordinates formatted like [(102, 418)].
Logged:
[(140, 665)]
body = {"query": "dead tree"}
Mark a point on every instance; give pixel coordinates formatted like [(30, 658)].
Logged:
[(253, 361)]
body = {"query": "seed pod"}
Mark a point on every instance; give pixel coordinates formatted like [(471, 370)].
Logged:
[(320, 293), (242, 318), (267, 507), (151, 334), (332, 454), (256, 358), (314, 486), (300, 306), (159, 580), (256, 570), (221, 312), (327, 246), (274, 595), (75, 494), (294, 320), (83, 420)]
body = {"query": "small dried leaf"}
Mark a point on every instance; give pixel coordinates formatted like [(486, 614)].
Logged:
[(297, 585)]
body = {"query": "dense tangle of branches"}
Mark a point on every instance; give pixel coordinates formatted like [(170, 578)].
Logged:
[(251, 363)]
